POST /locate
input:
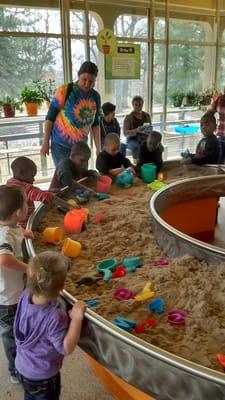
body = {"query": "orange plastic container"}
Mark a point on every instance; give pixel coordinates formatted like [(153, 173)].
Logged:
[(53, 235), (104, 184), (71, 248), (74, 220)]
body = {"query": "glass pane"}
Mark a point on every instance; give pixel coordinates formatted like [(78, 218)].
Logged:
[(159, 28), (23, 60), (131, 26), (186, 30), (158, 79), (77, 22), (96, 56), (187, 69), (95, 23), (78, 55), (30, 20), (222, 30), (221, 70)]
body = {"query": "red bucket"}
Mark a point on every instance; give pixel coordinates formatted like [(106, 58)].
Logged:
[(104, 184)]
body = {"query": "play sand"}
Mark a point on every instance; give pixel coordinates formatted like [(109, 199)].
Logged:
[(186, 283)]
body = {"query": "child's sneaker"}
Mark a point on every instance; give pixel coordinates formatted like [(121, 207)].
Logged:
[(14, 380)]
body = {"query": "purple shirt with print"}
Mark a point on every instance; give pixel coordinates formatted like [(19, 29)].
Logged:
[(39, 333)]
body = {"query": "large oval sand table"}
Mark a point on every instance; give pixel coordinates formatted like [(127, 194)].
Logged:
[(165, 361)]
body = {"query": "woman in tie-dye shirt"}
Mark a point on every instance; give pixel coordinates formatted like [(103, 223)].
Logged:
[(73, 113)]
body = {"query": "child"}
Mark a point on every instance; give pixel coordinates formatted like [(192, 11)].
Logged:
[(151, 151), (42, 332), (13, 209), (24, 171), (208, 149), (110, 161), (73, 168), (108, 123)]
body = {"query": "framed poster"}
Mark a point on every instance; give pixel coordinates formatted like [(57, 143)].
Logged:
[(124, 63)]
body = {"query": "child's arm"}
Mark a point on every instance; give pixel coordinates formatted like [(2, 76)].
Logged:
[(11, 262), (36, 194), (73, 333), (116, 171)]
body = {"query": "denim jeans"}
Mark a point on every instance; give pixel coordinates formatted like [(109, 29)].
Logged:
[(7, 315), (59, 153), (46, 389), (134, 146)]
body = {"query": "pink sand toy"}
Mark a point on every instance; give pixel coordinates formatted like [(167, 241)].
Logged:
[(104, 184), (53, 235), (177, 317), (124, 294), (162, 262), (75, 219)]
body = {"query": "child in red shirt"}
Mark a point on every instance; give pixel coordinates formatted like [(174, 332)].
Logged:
[(24, 171)]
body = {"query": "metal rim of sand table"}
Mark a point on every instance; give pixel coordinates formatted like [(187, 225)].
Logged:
[(147, 367)]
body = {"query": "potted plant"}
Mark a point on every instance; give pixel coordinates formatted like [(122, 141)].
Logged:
[(206, 96), (177, 98), (9, 105), (32, 98), (46, 88), (192, 98)]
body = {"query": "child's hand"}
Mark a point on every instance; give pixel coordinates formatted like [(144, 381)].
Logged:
[(78, 310), (131, 169), (28, 234), (116, 171)]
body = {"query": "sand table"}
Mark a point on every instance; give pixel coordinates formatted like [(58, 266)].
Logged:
[(186, 283)]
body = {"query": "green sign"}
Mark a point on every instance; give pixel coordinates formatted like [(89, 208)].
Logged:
[(124, 63)]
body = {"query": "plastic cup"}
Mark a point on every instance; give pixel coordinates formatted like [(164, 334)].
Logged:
[(71, 248), (53, 235), (148, 172), (104, 184)]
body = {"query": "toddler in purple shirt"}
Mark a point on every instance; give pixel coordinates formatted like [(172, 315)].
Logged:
[(42, 330)]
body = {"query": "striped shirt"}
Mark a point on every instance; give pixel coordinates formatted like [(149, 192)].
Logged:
[(33, 194)]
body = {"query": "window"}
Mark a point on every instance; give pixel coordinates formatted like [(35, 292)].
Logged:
[(180, 29), (31, 56)]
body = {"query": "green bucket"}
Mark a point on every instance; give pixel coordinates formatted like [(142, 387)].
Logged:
[(148, 172)]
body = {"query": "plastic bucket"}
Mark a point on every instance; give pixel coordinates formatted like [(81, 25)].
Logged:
[(104, 184), (71, 248), (74, 220), (148, 172), (53, 235)]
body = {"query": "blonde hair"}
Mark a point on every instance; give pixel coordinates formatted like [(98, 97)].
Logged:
[(112, 138), (47, 273)]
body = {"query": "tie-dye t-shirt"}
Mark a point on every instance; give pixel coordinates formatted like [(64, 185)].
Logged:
[(74, 117)]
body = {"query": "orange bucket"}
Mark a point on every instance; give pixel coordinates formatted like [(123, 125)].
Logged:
[(53, 235), (71, 248), (74, 220)]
